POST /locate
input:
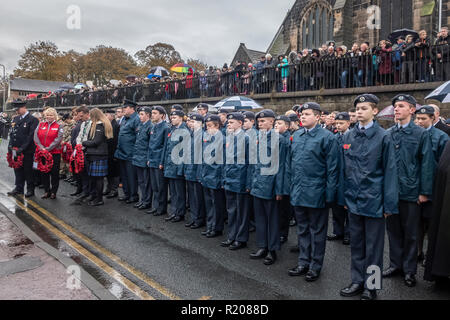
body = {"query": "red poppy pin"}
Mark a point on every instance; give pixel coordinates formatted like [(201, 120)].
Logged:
[(347, 146), (292, 138), (168, 136), (228, 145)]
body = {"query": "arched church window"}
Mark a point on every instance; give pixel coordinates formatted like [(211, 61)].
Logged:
[(316, 26)]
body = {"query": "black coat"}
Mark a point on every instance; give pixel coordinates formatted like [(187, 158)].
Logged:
[(442, 126), (438, 258), (97, 146), (22, 133), (113, 163), (74, 133)]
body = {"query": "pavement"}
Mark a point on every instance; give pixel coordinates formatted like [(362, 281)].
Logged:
[(132, 255)]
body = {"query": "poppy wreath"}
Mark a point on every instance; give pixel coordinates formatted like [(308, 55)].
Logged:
[(15, 164), (78, 159), (67, 151), (44, 160)]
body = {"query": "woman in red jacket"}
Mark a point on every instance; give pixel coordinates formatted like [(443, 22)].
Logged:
[(48, 135)]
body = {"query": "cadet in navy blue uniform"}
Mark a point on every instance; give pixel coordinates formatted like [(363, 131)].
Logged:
[(158, 135), (314, 172), (192, 174), (235, 182), (223, 113), (295, 123), (211, 177), (264, 188), (140, 158), (285, 210), (415, 164), (340, 215), (174, 172), (250, 129), (124, 152), (21, 137), (425, 118), (369, 188)]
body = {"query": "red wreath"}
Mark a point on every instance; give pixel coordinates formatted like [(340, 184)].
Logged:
[(15, 164), (66, 151), (44, 160), (78, 159)]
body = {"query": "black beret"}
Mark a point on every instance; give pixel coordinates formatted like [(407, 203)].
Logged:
[(293, 117), (425, 110), (145, 109), (342, 116), (266, 113), (223, 110), (236, 116), (366, 98), (19, 103), (202, 106), (212, 117), (325, 112), (313, 106), (404, 97), (129, 103), (110, 111), (296, 108), (196, 117), (65, 117), (177, 113), (249, 115), (160, 109), (283, 118), (177, 107)]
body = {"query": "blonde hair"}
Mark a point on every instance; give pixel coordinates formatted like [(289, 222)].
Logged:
[(51, 111), (98, 116), (289, 112)]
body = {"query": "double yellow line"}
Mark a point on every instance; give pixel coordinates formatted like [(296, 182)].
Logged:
[(138, 291)]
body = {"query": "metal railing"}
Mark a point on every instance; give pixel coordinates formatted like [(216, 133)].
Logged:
[(408, 64)]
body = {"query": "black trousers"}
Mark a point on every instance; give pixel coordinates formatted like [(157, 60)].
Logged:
[(196, 202), (112, 185), (159, 187), (340, 221), (215, 208), (143, 179), (402, 231), (25, 174), (286, 212), (312, 225), (426, 210), (178, 196), (238, 209), (267, 224), (53, 175), (367, 246), (128, 176)]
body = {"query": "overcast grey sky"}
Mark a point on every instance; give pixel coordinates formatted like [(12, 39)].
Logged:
[(209, 30)]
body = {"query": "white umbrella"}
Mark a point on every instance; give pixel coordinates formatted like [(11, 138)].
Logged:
[(442, 93), (238, 103), (388, 112)]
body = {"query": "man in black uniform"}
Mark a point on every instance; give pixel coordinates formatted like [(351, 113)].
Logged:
[(21, 137)]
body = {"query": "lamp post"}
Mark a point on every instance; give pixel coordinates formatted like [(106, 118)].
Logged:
[(4, 87), (440, 15)]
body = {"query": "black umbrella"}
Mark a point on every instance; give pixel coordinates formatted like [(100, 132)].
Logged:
[(402, 33)]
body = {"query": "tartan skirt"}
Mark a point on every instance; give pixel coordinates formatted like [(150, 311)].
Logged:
[(98, 168)]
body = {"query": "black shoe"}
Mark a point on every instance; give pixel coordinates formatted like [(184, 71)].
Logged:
[(312, 275), (76, 193), (346, 241), (123, 198), (237, 245), (206, 232), (105, 193), (178, 219), (112, 195), (298, 271), (410, 280), (292, 223), (91, 198), (62, 177), (391, 272), (145, 206), (197, 225), (261, 253), (189, 224), (137, 204), (160, 214), (96, 203), (83, 196), (68, 179), (226, 243), (270, 258), (130, 201), (283, 239), (46, 195), (151, 211), (294, 249), (334, 237), (29, 194), (74, 183), (352, 290), (369, 295), (420, 257), (14, 192), (214, 234), (251, 229), (172, 216)]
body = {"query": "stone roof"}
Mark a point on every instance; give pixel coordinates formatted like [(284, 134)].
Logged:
[(38, 86)]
